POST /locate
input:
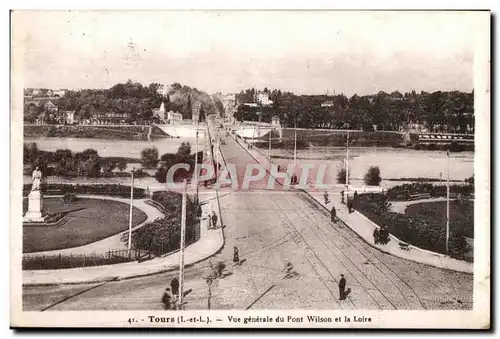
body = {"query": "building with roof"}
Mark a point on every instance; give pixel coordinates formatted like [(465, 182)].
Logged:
[(263, 99), (174, 117)]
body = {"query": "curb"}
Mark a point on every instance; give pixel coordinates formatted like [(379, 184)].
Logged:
[(394, 238)]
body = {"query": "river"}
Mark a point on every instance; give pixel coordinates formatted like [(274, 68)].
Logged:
[(113, 148), (394, 163)]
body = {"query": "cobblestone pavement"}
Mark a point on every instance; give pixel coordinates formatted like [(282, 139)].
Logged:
[(271, 228)]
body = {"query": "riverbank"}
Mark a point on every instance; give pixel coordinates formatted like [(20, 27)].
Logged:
[(338, 138), (111, 132)]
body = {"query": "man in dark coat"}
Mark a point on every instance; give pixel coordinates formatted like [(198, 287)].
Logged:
[(376, 236), (236, 256), (174, 285), (168, 299), (214, 220), (349, 205), (342, 195), (333, 214), (342, 284), (198, 212)]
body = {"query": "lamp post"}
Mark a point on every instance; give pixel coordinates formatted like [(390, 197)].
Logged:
[(448, 202), (130, 215), (183, 236)]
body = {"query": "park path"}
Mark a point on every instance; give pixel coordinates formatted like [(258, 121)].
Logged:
[(400, 206)]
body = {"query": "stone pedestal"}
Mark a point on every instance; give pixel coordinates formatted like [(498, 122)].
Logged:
[(35, 207)]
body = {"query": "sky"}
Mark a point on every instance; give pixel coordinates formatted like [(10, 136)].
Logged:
[(308, 52)]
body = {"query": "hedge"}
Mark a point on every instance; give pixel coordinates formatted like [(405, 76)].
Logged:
[(163, 235), (403, 192), (425, 233), (114, 190)]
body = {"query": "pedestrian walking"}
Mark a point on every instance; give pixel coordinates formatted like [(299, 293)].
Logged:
[(198, 212), (342, 196), (174, 285), (326, 198), (289, 270), (376, 236), (349, 205), (342, 284), (168, 299), (333, 214), (236, 256), (214, 220)]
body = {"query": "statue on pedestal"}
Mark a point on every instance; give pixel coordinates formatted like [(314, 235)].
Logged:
[(35, 201), (36, 179)]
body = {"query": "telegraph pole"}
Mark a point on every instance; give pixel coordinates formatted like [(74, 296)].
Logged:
[(130, 215), (448, 203), (196, 163), (295, 148), (347, 164), (269, 155), (183, 238)]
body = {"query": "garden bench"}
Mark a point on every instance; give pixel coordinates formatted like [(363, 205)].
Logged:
[(404, 246), (453, 195)]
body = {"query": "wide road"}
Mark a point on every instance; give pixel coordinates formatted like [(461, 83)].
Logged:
[(271, 228)]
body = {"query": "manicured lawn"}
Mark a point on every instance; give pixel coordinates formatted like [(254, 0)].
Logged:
[(461, 215), (90, 220)]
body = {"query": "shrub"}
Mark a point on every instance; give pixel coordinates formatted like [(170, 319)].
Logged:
[(184, 150), (372, 177), (69, 197), (341, 176)]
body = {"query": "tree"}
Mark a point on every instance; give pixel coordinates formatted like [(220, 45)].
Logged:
[(30, 152), (149, 157), (62, 155), (184, 150), (372, 177), (341, 175), (122, 164), (109, 166)]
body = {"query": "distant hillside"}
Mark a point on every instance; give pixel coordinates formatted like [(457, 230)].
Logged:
[(183, 99)]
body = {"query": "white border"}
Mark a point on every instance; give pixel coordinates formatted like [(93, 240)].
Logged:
[(257, 4)]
